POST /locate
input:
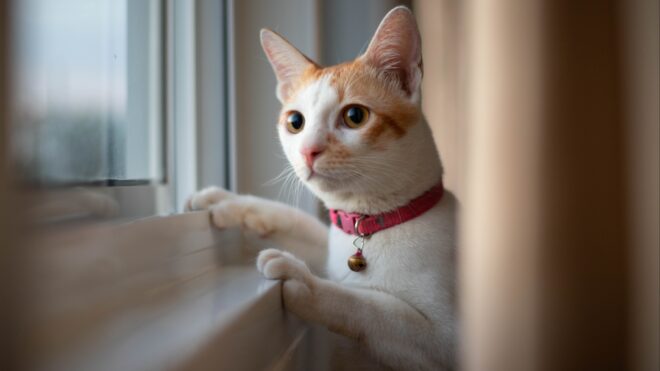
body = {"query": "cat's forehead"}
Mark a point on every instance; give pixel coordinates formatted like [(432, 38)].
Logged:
[(317, 93), (317, 83), (320, 91)]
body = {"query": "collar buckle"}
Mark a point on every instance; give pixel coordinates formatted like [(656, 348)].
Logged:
[(356, 227)]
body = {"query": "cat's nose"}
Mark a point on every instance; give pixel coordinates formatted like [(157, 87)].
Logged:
[(311, 154)]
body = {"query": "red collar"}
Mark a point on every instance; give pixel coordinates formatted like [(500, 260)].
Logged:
[(370, 224)]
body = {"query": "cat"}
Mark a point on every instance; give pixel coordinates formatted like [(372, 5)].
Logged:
[(356, 137)]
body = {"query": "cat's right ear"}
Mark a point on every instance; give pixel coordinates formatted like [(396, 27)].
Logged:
[(396, 49), (288, 62)]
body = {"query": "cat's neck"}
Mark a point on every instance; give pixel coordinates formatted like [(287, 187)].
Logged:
[(378, 202), (423, 171)]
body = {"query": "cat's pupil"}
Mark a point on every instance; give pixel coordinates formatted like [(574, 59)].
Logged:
[(296, 120), (355, 114)]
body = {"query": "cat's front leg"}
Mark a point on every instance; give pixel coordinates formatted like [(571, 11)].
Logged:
[(275, 264), (398, 334), (231, 210), (207, 197), (258, 215), (287, 226)]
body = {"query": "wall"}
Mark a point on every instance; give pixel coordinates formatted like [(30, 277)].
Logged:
[(259, 157), (347, 26)]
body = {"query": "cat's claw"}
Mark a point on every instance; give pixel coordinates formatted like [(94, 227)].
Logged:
[(280, 265)]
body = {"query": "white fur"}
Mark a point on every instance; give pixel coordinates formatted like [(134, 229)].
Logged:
[(399, 312)]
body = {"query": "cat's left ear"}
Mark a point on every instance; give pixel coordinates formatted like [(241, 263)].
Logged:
[(288, 62), (396, 49)]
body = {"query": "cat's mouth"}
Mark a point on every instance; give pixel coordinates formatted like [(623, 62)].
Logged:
[(325, 177), (315, 174), (329, 181)]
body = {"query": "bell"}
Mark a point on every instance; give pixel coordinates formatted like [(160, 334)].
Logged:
[(357, 262)]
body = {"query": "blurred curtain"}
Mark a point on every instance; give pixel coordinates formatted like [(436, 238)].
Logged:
[(443, 50), (4, 213), (546, 115), (9, 212)]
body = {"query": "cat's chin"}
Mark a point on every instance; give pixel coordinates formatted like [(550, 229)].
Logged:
[(324, 182), (318, 179)]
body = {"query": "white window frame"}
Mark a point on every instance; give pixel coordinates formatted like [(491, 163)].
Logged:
[(198, 108), (131, 198), (193, 110)]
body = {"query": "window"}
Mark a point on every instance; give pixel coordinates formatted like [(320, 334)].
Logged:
[(124, 97), (89, 83)]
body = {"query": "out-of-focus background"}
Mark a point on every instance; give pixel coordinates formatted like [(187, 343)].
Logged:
[(112, 112)]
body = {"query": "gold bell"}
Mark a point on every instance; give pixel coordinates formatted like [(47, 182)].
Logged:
[(357, 262)]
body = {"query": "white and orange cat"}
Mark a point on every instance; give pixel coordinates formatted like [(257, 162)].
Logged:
[(356, 136)]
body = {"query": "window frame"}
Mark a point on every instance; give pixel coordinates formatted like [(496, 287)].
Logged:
[(197, 93), (195, 145)]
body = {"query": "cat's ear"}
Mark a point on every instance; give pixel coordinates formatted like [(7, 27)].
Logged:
[(396, 49), (287, 61)]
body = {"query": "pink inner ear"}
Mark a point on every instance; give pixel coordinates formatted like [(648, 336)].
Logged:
[(395, 49), (279, 55), (288, 62)]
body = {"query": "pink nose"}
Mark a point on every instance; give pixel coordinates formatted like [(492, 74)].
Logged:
[(311, 154)]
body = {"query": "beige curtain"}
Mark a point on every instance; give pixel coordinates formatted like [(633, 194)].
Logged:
[(546, 115), (9, 213)]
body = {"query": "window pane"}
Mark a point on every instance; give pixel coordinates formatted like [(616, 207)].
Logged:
[(89, 105)]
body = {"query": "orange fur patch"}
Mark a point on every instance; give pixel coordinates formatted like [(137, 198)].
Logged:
[(336, 149), (391, 115)]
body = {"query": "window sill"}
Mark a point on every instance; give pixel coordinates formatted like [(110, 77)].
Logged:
[(156, 294)]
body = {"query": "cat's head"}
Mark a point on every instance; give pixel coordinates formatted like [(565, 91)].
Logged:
[(356, 129)]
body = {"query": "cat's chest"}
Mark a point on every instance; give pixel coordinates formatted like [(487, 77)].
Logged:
[(416, 251), (389, 253), (341, 248)]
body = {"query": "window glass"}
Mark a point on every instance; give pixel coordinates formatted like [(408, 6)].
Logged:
[(89, 84)]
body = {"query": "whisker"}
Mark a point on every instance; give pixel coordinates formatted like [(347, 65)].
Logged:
[(288, 169)]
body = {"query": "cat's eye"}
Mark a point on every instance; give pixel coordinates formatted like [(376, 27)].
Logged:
[(355, 116), (295, 122)]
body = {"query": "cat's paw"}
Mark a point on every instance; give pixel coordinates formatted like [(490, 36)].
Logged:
[(207, 197), (299, 283), (280, 265), (248, 212)]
